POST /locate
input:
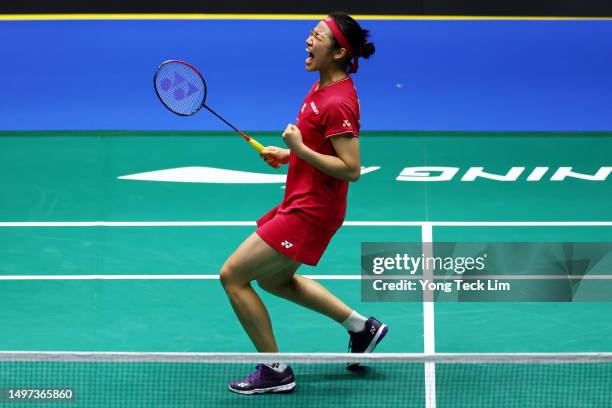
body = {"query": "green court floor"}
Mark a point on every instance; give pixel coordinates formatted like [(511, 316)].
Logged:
[(74, 177)]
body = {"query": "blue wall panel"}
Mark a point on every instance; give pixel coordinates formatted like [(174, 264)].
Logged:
[(425, 75)]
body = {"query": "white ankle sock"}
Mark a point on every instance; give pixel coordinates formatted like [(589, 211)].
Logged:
[(278, 367), (355, 322)]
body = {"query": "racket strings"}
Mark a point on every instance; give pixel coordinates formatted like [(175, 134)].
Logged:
[(180, 88)]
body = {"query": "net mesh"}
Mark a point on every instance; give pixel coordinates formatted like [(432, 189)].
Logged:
[(200, 380)]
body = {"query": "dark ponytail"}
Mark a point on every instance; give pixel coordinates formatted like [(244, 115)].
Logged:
[(356, 36), (367, 49)]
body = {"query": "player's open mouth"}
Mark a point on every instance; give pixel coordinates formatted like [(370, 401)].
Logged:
[(310, 56)]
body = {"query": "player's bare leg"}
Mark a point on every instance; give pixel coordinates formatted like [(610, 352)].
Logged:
[(254, 259)]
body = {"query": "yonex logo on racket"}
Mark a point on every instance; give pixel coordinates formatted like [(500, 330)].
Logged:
[(286, 244), (179, 92)]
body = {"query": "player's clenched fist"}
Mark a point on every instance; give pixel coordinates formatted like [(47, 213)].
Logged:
[(292, 137)]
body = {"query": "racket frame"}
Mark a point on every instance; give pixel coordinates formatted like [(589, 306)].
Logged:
[(202, 104)]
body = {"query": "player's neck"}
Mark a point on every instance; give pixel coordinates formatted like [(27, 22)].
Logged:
[(327, 77)]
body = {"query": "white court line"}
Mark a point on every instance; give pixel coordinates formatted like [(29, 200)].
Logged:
[(479, 223), (131, 224), (151, 277), (429, 335), (346, 223), (315, 277)]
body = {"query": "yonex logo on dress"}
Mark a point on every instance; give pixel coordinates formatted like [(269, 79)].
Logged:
[(346, 123), (286, 244), (314, 108)]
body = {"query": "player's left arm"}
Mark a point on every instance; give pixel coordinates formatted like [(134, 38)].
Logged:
[(345, 166)]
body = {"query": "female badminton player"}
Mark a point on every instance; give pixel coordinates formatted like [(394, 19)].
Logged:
[(323, 156)]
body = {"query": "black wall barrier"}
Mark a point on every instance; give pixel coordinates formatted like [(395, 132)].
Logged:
[(577, 8)]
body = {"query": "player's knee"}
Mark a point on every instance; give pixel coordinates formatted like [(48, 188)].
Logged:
[(232, 279), (226, 276)]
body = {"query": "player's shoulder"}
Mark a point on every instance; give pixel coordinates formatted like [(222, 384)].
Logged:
[(345, 88), (343, 92)]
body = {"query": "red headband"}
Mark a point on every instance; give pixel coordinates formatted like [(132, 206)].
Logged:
[(343, 43)]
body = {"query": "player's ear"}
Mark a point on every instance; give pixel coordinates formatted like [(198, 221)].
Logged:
[(339, 54)]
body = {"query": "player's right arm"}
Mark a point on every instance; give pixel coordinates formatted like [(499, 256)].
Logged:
[(275, 156)]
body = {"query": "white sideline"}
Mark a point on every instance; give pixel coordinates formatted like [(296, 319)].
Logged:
[(429, 335), (152, 277), (346, 223)]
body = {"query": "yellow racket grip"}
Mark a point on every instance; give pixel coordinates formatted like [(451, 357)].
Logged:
[(258, 146)]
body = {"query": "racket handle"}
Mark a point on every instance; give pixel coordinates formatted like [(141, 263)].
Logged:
[(256, 145)]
